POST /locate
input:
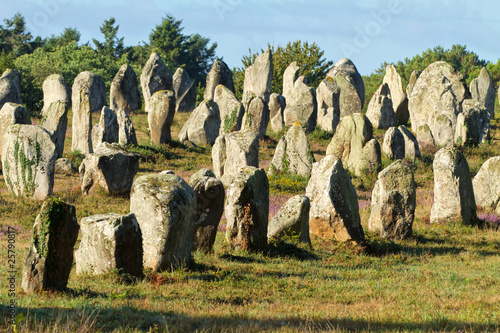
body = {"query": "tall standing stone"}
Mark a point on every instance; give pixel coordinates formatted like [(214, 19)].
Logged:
[(259, 75), (411, 83), (185, 91), (219, 74), (155, 77), (160, 116), (345, 68), (11, 114), (487, 185), (328, 96), (50, 257), (483, 90), (91, 84), (124, 93), (398, 97), (277, 105), (55, 121), (231, 110), (55, 89), (10, 90), (473, 124), (380, 110), (256, 116), (106, 130), (126, 131), (203, 125)]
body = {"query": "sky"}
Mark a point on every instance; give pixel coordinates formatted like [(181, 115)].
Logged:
[(369, 32)]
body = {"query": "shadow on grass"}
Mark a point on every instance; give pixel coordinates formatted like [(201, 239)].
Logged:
[(284, 249)]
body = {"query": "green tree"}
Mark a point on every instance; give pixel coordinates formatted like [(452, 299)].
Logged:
[(68, 36), (112, 47), (14, 37)]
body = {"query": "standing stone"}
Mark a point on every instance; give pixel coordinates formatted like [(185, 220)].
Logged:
[(483, 90), (126, 131), (106, 130), (380, 110), (412, 149), (233, 151), (277, 105), (110, 242), (185, 91), (259, 75), (219, 74), (111, 168), (256, 117), (210, 206), (487, 185), (398, 97), (247, 210), (165, 208), (124, 93), (28, 159), (202, 127), (293, 153), (55, 121), (155, 77), (160, 116), (292, 220), (345, 68), (453, 193), (230, 108), (436, 101), (424, 136), (411, 83), (10, 90), (91, 84), (393, 202), (473, 124), (55, 89), (355, 145), (328, 96), (50, 257), (399, 143), (11, 114), (334, 209)]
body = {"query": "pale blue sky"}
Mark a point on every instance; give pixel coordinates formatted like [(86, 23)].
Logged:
[(367, 31)]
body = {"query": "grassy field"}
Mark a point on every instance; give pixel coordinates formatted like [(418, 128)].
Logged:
[(445, 278)]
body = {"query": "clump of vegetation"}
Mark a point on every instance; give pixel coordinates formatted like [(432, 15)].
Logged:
[(76, 157)]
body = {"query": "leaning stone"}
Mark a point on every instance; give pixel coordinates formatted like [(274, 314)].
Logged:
[(165, 208), (380, 111), (55, 89), (110, 242), (277, 105), (482, 89), (486, 185), (256, 116), (106, 130), (291, 220), (247, 210), (50, 256), (160, 116), (11, 114), (327, 96), (185, 91), (203, 125), (219, 74), (334, 209), (55, 121), (393, 202), (230, 108), (126, 131), (28, 159), (259, 75), (10, 90), (64, 165), (398, 97), (124, 93), (155, 77), (473, 124), (110, 168)]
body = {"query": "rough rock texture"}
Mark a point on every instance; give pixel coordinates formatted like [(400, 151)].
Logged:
[(55, 89), (424, 136), (259, 75), (334, 209), (232, 151), (55, 121), (185, 91), (380, 110), (110, 242), (165, 208), (10, 90), (393, 202), (412, 149), (453, 193), (106, 130), (256, 116), (293, 153), (231, 110), (124, 93), (202, 127), (11, 114), (355, 145), (345, 68), (436, 101), (126, 131), (64, 165), (219, 74), (277, 105), (111, 168), (473, 124), (28, 159), (210, 206), (327, 98), (398, 97), (50, 256), (399, 143), (291, 220), (247, 210), (160, 116), (155, 77), (411, 83), (91, 84), (482, 89), (487, 185)]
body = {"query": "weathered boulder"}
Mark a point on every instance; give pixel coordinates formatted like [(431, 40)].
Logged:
[(210, 206), (327, 98), (398, 97), (28, 159), (110, 242), (256, 116), (345, 68), (424, 136), (411, 84), (291, 220), (487, 185), (155, 77), (293, 153), (106, 130), (124, 93), (219, 74), (126, 131), (203, 125), (412, 149), (231, 110), (436, 101), (482, 89), (165, 208), (64, 165), (111, 168), (247, 210), (259, 75), (160, 116), (55, 89), (10, 90), (473, 124), (233, 151), (11, 114), (380, 110), (55, 121), (50, 257), (334, 209), (355, 145), (393, 202), (453, 192), (399, 143), (277, 105), (185, 91), (91, 84)]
